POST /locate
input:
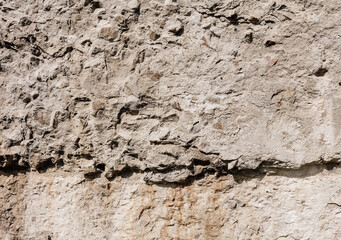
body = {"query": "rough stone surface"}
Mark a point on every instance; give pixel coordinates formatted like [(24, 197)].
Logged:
[(174, 119)]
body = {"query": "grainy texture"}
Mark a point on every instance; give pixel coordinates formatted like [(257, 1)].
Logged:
[(170, 119)]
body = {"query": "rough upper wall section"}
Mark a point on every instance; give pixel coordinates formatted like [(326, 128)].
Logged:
[(171, 89)]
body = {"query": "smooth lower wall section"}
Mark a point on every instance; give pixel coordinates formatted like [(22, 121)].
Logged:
[(59, 205)]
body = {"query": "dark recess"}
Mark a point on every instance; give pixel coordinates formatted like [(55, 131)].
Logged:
[(321, 72)]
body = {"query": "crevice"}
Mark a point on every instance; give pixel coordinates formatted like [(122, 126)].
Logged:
[(334, 204), (8, 45), (13, 164), (92, 175), (93, 4), (197, 170), (163, 142), (169, 168), (170, 154), (86, 156), (82, 99), (270, 43), (130, 108), (306, 170), (239, 175), (276, 93), (62, 52), (200, 162), (125, 172)]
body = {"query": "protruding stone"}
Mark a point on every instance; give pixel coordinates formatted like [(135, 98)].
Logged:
[(108, 33)]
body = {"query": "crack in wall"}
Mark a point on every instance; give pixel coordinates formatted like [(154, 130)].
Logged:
[(206, 168)]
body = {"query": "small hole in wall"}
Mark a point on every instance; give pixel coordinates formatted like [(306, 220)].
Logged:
[(339, 83), (180, 32), (234, 20), (254, 20), (321, 72), (60, 163), (270, 43), (200, 162), (35, 96), (249, 38), (101, 167), (113, 144)]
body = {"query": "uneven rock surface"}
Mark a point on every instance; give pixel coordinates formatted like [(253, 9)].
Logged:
[(174, 119)]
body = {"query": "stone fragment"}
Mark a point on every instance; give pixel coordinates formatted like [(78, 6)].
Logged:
[(42, 116), (76, 17), (133, 4), (108, 33), (176, 27)]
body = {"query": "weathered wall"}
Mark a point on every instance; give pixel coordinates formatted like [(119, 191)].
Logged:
[(170, 119)]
